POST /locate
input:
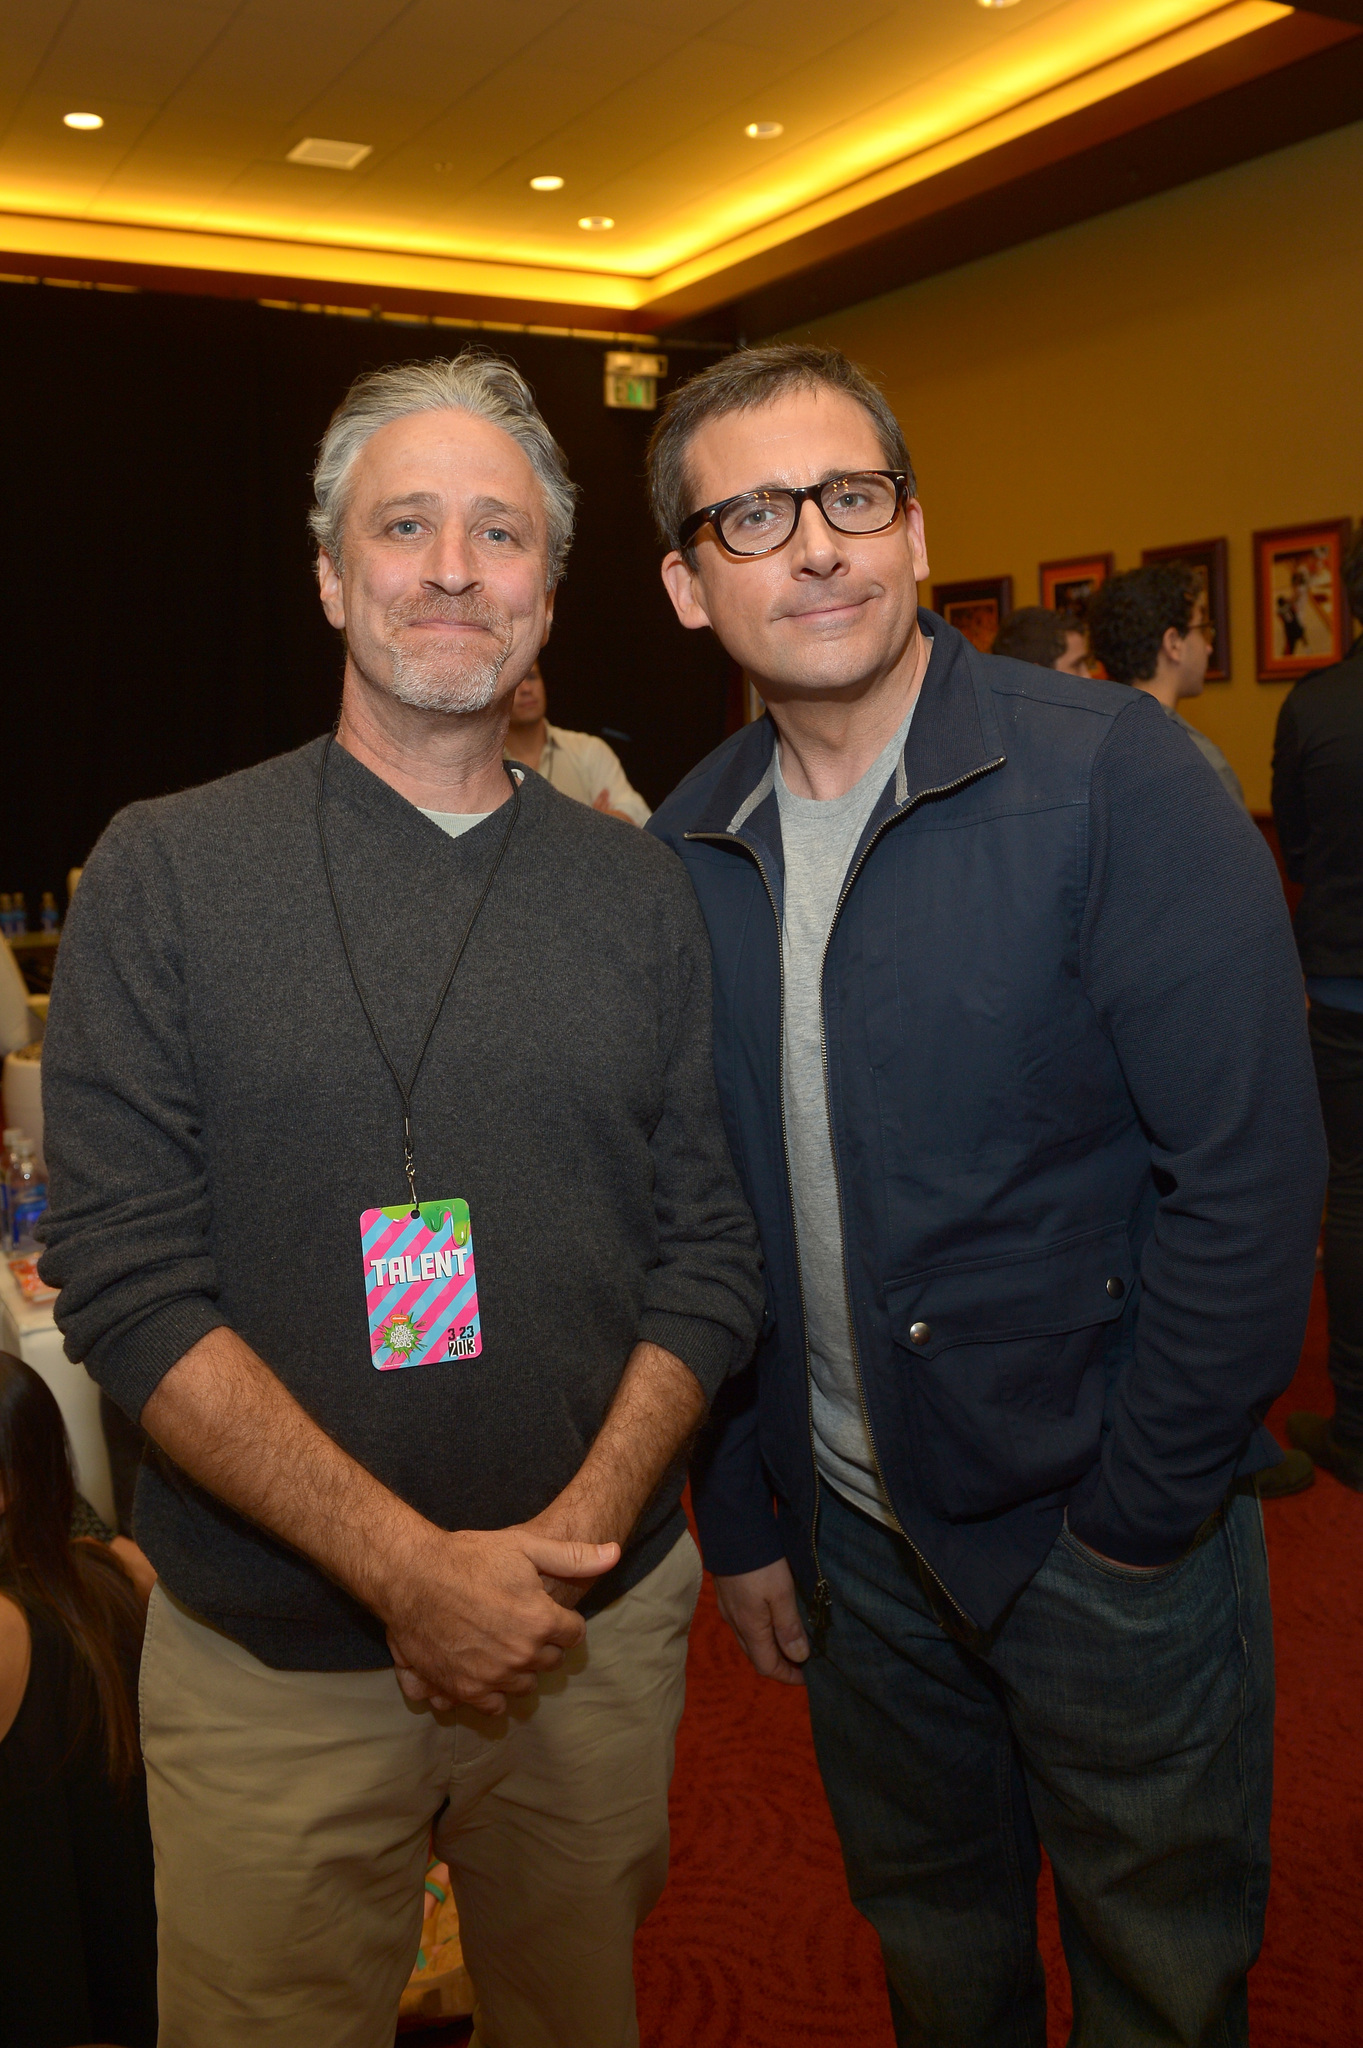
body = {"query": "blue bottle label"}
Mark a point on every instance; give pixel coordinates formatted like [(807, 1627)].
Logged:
[(25, 1211)]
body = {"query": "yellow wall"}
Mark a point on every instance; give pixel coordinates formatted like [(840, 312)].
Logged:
[(1186, 367)]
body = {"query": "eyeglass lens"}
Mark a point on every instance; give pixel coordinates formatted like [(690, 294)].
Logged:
[(762, 520)]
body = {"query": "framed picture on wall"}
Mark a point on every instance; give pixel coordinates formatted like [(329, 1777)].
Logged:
[(1068, 586), (975, 609), (1301, 608), (1207, 558)]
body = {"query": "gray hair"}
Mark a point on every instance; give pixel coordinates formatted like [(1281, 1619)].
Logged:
[(474, 381), (752, 377)]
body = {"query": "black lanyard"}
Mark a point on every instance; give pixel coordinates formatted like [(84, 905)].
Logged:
[(405, 1090)]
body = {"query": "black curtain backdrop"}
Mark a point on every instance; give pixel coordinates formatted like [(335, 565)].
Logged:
[(162, 619)]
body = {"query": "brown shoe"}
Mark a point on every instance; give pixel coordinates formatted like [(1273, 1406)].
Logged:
[(1293, 1475), (1315, 1435)]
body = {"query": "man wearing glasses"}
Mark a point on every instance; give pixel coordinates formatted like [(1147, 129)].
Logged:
[(1012, 1053), (1151, 628)]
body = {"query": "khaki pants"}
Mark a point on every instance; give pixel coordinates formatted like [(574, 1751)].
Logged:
[(291, 1812)]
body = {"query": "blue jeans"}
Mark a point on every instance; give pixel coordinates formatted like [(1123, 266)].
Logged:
[(1122, 1719)]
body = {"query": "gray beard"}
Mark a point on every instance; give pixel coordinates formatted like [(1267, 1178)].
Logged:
[(472, 689)]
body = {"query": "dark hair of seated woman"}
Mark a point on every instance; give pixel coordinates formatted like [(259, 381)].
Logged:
[(77, 1919)]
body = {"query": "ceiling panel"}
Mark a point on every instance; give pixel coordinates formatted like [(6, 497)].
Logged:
[(27, 30), (272, 63), (806, 26), (432, 45), (128, 49)]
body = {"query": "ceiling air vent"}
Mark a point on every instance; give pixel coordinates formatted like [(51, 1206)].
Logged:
[(327, 154)]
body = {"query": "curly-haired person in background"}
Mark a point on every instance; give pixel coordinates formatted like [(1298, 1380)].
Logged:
[(77, 1917), (1151, 628)]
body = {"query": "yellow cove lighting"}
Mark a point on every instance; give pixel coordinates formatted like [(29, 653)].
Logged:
[(681, 228), (926, 132)]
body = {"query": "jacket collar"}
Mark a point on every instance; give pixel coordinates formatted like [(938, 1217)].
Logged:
[(954, 737)]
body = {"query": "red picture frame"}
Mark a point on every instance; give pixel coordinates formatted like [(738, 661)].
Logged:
[(1301, 608), (1067, 586), (975, 609), (1209, 558)]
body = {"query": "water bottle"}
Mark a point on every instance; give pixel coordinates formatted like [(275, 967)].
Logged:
[(20, 914), (12, 1131), (48, 919), (6, 917), (27, 1197)]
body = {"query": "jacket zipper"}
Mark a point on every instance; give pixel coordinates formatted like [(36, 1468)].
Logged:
[(947, 789), (821, 1605)]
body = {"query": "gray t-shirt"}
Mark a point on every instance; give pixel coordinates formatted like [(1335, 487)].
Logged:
[(1211, 753), (818, 839)]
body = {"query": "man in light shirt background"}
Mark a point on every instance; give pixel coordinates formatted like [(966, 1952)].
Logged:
[(577, 763)]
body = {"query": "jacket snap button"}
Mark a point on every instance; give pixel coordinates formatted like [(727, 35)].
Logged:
[(1116, 1288), (919, 1333)]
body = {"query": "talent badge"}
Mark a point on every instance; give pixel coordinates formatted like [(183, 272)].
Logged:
[(420, 1286)]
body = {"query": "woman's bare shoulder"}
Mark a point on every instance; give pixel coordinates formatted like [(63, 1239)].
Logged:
[(15, 1655)]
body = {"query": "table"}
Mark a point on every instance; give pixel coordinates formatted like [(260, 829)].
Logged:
[(28, 1331), (36, 953)]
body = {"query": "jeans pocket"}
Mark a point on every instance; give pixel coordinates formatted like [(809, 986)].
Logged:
[(1112, 1568)]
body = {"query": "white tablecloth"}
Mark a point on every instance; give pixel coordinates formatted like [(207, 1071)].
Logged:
[(30, 1333)]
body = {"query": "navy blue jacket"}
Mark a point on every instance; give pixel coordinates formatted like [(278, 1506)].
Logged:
[(1075, 1124)]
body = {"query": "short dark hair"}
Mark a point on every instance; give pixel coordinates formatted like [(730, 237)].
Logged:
[(1353, 573), (1129, 615), (753, 377), (1032, 633)]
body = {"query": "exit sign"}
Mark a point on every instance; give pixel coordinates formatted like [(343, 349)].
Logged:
[(632, 380)]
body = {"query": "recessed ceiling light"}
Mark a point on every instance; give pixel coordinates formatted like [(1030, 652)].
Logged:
[(327, 155), (596, 220), (546, 184), (83, 120), (764, 131), (998, 3)]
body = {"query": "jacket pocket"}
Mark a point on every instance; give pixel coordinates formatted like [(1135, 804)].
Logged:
[(1004, 1364)]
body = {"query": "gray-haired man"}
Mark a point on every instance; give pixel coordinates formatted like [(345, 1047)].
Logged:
[(291, 1142)]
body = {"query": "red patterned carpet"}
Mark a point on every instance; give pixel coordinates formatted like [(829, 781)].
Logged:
[(756, 1946)]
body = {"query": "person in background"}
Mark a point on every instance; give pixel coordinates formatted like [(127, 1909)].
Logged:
[(1012, 1053), (1051, 639), (1318, 809), (578, 763), (89, 1526), (1151, 628), (381, 1489), (77, 1914)]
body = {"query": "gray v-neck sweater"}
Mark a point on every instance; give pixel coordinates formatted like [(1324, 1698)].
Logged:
[(218, 1117)]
